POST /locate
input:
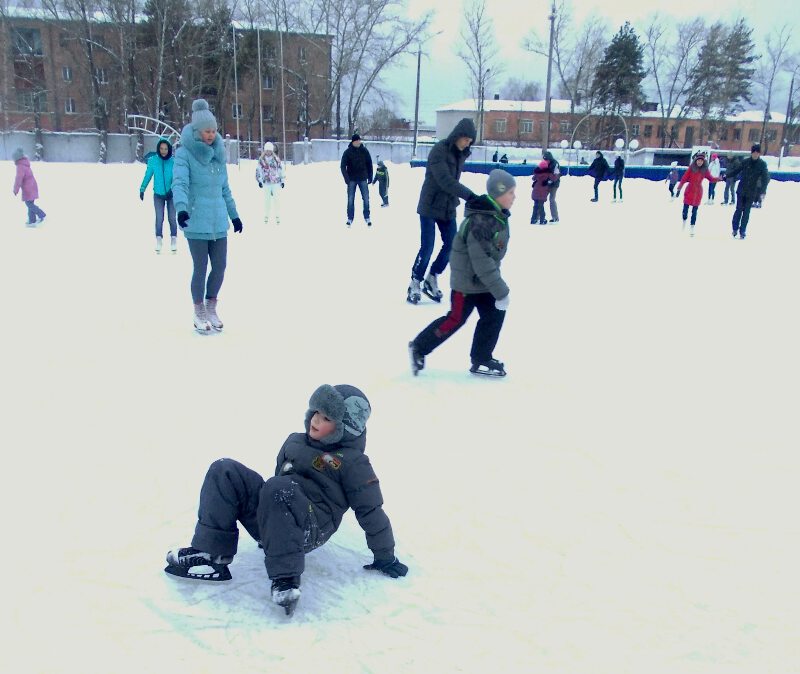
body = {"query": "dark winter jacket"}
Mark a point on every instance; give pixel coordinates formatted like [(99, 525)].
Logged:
[(730, 167), (753, 177), (438, 198), (553, 166), (599, 168), (542, 182), (356, 164), (494, 157), (336, 477), (382, 177), (694, 176), (504, 159), (160, 170), (619, 167), (478, 249)]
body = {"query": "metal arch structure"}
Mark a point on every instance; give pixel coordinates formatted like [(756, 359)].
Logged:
[(583, 119), (153, 127)]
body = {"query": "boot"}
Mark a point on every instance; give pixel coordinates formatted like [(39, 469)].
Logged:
[(286, 592), (159, 243), (201, 323), (211, 313), (197, 565), (431, 287), (413, 294), (489, 368), (173, 244), (417, 359)]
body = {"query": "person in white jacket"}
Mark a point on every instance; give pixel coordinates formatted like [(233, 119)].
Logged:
[(714, 170), (271, 178)]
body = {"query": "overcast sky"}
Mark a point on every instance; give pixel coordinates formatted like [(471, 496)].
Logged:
[(444, 76)]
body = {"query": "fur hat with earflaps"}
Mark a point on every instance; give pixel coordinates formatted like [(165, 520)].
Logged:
[(343, 404)]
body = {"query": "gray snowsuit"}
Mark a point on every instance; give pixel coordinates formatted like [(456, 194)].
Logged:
[(301, 507)]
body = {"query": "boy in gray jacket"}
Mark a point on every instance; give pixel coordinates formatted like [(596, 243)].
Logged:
[(319, 475), (475, 279)]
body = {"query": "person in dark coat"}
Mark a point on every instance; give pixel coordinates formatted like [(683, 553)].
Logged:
[(730, 180), (619, 174), (382, 178), (753, 178), (438, 200), (356, 166), (495, 156), (319, 475), (555, 168), (475, 279), (598, 169), (542, 183), (504, 159)]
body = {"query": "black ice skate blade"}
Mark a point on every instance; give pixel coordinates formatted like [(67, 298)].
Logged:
[(435, 298), (220, 573), (488, 373)]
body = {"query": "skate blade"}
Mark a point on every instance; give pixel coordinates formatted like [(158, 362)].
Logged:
[(202, 331), (435, 298), (488, 373), (414, 369), (218, 573)]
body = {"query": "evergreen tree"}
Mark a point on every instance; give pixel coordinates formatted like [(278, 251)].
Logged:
[(737, 69), (618, 78)]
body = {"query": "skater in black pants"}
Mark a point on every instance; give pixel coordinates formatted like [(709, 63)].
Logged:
[(598, 169), (475, 279), (382, 178), (319, 476), (753, 180), (619, 174)]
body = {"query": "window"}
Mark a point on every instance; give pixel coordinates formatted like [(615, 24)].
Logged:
[(723, 133), (236, 111), (648, 130), (563, 127), (500, 126), (69, 106), (635, 129), (27, 41), (269, 82), (754, 135), (31, 101), (771, 134), (301, 53), (102, 78), (526, 126), (268, 113), (737, 134), (66, 73)]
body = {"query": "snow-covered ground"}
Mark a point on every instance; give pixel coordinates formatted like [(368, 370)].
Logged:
[(624, 501)]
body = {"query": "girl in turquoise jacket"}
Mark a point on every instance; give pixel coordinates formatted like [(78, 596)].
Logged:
[(204, 203), (159, 168)]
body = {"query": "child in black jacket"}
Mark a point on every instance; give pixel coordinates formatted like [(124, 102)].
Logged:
[(382, 178)]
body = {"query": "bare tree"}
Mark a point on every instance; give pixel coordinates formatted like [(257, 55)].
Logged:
[(672, 53), (774, 60), (479, 52), (516, 89)]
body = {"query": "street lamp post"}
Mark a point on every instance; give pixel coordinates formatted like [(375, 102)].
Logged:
[(546, 134)]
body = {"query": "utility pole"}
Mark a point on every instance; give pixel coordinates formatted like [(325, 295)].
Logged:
[(236, 92), (260, 89), (416, 105), (546, 134)]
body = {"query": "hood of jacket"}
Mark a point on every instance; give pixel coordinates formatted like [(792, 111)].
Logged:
[(17, 154), (164, 141), (485, 205), (466, 127), (23, 161), (190, 139)]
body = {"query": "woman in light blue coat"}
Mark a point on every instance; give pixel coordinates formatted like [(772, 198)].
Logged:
[(159, 168), (204, 203)]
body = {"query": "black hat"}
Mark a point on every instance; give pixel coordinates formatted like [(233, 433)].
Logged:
[(356, 137), (756, 148)]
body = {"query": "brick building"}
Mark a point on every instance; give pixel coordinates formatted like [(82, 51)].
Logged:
[(47, 82), (521, 123)]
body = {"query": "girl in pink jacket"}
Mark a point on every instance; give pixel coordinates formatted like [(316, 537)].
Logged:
[(30, 190)]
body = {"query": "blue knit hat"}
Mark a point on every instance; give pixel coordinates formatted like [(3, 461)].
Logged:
[(202, 117)]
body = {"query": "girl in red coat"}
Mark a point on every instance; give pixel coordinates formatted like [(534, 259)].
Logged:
[(694, 193)]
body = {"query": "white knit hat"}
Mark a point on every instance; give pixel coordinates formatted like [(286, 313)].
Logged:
[(269, 147)]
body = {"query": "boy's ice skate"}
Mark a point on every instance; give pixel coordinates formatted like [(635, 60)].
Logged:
[(159, 243), (173, 244), (286, 593), (197, 565), (201, 323), (417, 359), (489, 368), (431, 288), (211, 314), (413, 295), (349, 222)]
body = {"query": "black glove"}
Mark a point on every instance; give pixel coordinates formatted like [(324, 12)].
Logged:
[(260, 185), (183, 218), (141, 196), (237, 225), (391, 567), (282, 185)]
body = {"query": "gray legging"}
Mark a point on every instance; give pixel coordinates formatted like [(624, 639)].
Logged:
[(202, 251)]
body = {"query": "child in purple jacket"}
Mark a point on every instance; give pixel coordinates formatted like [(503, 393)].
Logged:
[(30, 189)]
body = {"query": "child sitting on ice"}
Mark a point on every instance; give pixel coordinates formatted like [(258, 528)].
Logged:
[(319, 475)]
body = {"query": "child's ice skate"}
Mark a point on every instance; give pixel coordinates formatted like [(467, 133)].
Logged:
[(197, 565), (286, 593), (201, 322), (173, 244), (159, 243), (417, 359), (413, 295), (211, 314), (489, 368), (431, 288)]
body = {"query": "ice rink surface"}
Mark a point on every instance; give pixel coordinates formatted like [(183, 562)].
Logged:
[(624, 501)]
